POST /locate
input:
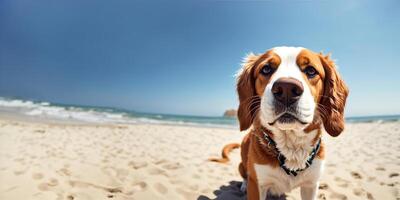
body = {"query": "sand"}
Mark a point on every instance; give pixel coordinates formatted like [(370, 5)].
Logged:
[(43, 160)]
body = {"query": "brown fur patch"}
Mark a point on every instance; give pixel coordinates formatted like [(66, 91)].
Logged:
[(334, 98), (316, 84), (251, 85)]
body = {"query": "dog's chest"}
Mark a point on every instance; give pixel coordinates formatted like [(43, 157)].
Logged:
[(277, 182)]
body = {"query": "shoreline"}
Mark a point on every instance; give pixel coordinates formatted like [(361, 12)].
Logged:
[(11, 116), (29, 110)]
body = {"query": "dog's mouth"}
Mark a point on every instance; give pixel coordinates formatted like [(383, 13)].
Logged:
[(286, 118)]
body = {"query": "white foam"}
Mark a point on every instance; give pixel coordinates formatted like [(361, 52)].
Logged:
[(99, 115), (16, 103), (45, 109)]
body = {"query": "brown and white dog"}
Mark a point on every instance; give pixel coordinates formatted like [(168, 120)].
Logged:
[(287, 95)]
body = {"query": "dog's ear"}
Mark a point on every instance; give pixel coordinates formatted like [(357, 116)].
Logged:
[(334, 97), (246, 92)]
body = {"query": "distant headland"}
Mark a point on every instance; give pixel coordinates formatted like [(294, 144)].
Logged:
[(230, 113)]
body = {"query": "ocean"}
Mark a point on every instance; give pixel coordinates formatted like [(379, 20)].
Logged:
[(47, 110)]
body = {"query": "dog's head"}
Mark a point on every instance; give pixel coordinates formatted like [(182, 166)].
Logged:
[(291, 88)]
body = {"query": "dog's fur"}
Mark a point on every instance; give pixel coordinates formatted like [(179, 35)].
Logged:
[(319, 107)]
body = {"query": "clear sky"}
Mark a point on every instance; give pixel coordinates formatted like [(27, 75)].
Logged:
[(180, 57)]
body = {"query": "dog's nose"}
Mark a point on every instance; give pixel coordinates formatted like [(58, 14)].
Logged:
[(287, 90)]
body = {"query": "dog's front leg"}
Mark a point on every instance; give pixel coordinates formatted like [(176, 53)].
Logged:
[(262, 192), (254, 191), (309, 192)]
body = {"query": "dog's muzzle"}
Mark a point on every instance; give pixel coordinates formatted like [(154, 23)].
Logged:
[(287, 92)]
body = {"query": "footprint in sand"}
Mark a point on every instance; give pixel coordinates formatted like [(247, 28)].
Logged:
[(157, 171), (358, 191), (175, 181), (330, 171), (196, 176), (47, 185), (139, 186), (160, 188), (19, 160), (206, 191), (331, 165), (19, 172), (341, 182), (52, 182), (369, 196), (185, 194), (39, 131), (158, 162), (393, 175), (356, 175), (172, 166), (322, 196), (380, 169), (64, 172), (339, 196), (194, 187), (137, 165), (37, 176), (113, 190), (392, 184), (107, 189), (323, 186)]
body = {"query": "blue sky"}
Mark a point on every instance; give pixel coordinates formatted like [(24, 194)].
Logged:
[(180, 57)]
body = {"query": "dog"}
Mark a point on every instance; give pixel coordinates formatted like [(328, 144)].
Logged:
[(287, 97)]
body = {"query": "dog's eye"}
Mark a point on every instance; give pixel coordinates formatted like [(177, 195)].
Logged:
[(310, 71), (267, 70)]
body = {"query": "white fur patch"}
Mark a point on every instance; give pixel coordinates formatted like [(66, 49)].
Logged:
[(296, 146), (288, 68), (275, 180)]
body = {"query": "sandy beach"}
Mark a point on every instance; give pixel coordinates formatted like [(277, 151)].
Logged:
[(43, 160)]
